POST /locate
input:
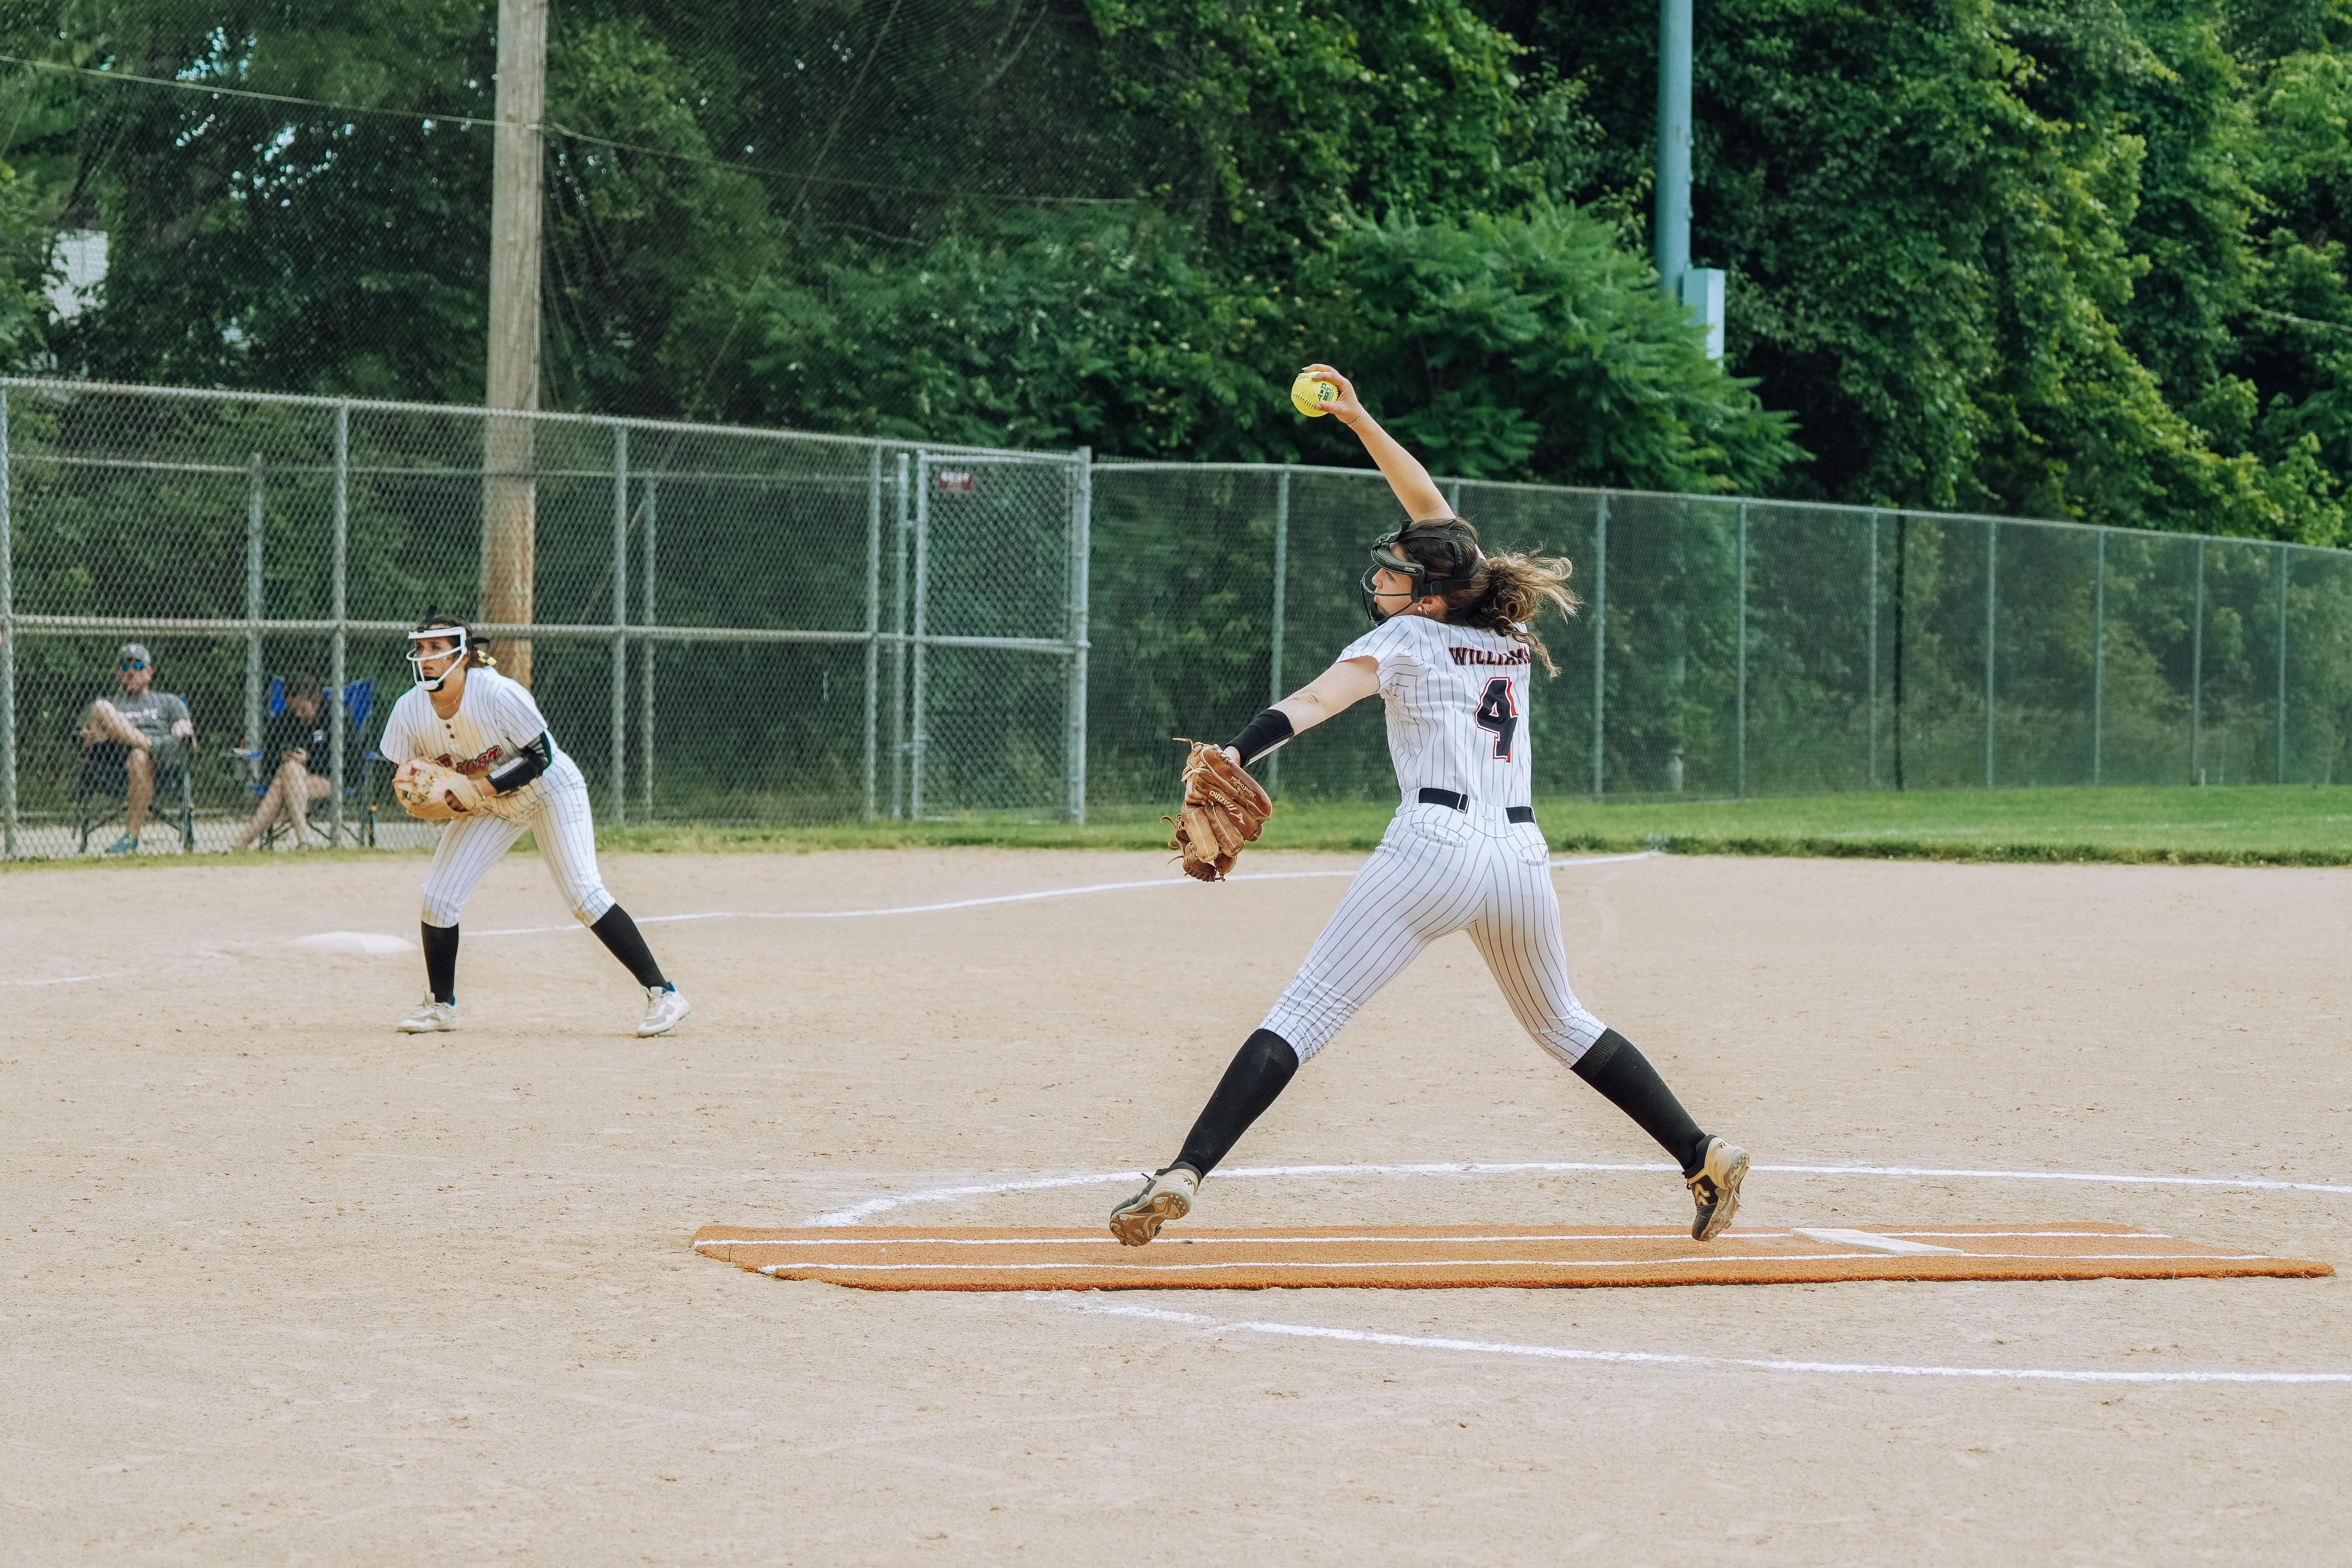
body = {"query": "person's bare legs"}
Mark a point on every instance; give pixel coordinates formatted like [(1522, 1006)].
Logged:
[(140, 767), (105, 722), (266, 814), (300, 787)]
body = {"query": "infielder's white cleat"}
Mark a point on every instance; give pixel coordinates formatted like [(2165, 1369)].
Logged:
[(1715, 1188), (665, 1010), (430, 1018), (1167, 1195)]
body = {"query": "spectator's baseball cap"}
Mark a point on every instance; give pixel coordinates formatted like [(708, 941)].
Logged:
[(138, 651)]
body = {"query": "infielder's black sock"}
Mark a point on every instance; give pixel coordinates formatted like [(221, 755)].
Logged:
[(621, 938), (441, 962), (1624, 1075), (1261, 1069)]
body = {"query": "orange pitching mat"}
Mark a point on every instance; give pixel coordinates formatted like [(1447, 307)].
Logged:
[(1426, 1257)]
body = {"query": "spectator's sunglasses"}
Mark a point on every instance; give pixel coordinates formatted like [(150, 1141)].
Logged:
[(129, 665)]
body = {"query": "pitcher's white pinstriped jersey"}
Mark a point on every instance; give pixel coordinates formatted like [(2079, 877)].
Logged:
[(1456, 697), (496, 717)]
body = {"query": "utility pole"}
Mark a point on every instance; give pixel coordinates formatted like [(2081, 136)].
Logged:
[(509, 495), (1699, 289)]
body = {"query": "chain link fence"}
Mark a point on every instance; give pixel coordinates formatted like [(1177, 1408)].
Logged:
[(743, 626), (720, 625), (1730, 647)]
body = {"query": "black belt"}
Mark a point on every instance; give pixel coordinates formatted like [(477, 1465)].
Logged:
[(1461, 803)]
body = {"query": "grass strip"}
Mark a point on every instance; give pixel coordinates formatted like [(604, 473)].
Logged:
[(2238, 825), (2292, 825)]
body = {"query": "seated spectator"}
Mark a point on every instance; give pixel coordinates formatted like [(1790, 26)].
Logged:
[(298, 744), (131, 737)]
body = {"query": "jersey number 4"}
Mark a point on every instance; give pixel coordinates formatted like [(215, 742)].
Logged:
[(1499, 716)]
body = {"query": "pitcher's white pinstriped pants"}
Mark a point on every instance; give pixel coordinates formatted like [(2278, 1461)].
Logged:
[(1437, 871), (470, 846)]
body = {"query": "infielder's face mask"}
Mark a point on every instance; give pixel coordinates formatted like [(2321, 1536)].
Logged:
[(419, 655), (1459, 572)]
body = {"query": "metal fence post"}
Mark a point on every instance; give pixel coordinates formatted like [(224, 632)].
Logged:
[(1600, 640), (1274, 692), (339, 721), (1870, 590), (2098, 656), (1081, 531), (253, 603), (7, 651), (651, 489), (1902, 600), (620, 624), (2283, 552), (2196, 678), (898, 644), (872, 620), (921, 664), (1739, 697), (1992, 619)]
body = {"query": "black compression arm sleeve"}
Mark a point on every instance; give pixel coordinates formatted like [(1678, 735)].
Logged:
[(528, 764), (1268, 732)]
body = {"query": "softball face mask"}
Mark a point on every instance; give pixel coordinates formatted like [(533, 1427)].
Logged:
[(418, 658), (1388, 555)]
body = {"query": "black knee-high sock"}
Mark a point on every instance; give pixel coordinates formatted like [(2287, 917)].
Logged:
[(1260, 1070), (620, 936), (441, 961), (1625, 1076)]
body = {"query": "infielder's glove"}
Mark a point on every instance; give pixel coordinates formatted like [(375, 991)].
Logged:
[(436, 793), (1223, 809)]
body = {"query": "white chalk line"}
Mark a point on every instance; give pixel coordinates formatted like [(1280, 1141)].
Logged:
[(1665, 1358), (856, 1214), (1708, 1258), (1169, 881), (69, 979), (1661, 1235)]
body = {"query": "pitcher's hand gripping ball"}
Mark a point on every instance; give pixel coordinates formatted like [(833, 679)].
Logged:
[(1223, 809), (432, 793), (1308, 396)]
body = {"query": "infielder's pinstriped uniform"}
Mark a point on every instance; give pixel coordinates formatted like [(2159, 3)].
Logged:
[(496, 717), (1456, 699)]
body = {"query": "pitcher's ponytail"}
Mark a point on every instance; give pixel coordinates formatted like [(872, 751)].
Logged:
[(1508, 596)]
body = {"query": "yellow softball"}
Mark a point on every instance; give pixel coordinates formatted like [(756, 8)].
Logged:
[(1308, 396)]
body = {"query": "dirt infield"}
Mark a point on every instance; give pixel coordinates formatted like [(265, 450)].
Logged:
[(284, 1287), (1466, 1257)]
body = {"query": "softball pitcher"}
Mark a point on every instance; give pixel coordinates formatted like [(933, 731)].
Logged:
[(464, 717), (1450, 655)]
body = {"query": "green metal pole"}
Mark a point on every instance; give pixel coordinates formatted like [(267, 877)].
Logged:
[(2098, 656), (2284, 551), (338, 721), (1274, 693), (1739, 699), (1672, 223), (620, 715), (1599, 642), (7, 653), (1993, 616), (2196, 678), (1870, 698)]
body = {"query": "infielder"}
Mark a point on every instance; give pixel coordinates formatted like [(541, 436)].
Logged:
[(1450, 656), (464, 716)]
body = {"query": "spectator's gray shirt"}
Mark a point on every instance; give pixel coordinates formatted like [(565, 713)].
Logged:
[(152, 713)]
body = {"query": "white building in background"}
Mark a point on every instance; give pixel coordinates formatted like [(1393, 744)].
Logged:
[(78, 268)]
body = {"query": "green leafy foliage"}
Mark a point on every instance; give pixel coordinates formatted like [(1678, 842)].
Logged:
[(2070, 258)]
